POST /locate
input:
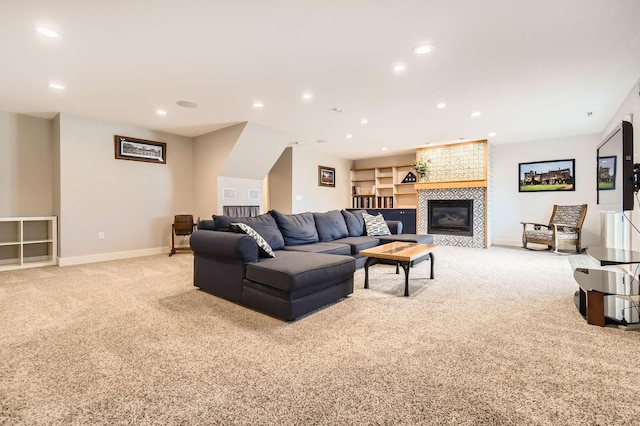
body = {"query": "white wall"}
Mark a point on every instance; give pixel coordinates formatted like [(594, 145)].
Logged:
[(26, 165), (307, 195), (240, 187), (280, 183), (132, 202), (510, 207), (210, 153)]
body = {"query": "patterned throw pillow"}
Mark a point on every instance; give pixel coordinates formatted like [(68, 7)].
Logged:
[(265, 248), (375, 225)]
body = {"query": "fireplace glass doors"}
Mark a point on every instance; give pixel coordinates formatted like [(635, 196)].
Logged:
[(450, 217)]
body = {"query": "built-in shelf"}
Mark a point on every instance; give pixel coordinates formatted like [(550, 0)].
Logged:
[(28, 242), (383, 188)]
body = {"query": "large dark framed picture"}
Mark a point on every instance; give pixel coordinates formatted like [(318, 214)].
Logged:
[(606, 173), (128, 148), (539, 176), (326, 176)]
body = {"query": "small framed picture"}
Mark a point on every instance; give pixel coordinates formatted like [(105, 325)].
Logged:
[(128, 148), (606, 173), (326, 176)]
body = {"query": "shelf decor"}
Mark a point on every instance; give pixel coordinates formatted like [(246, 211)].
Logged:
[(422, 169), (409, 178), (128, 148)]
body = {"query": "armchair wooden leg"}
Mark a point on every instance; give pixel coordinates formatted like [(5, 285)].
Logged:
[(173, 241)]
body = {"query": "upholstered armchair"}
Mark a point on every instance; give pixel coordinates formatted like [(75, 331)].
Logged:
[(565, 226)]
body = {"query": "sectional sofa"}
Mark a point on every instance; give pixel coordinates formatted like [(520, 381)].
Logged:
[(287, 265)]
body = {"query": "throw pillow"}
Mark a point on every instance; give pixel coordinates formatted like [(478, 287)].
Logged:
[(375, 225), (296, 229), (330, 225), (265, 225), (265, 248), (355, 222)]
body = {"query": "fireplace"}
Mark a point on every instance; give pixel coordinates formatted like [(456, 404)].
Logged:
[(450, 217)]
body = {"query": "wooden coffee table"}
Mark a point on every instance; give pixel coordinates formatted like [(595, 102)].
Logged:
[(402, 253)]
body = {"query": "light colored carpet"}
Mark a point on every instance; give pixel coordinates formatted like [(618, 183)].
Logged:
[(494, 339)]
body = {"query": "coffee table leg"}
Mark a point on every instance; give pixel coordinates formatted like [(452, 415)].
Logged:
[(431, 260), (366, 271), (406, 268)]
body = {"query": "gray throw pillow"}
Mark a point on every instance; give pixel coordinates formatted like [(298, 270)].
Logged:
[(265, 225), (296, 229), (354, 221), (330, 225)]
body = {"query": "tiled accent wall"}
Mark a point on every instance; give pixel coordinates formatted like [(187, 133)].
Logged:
[(455, 162), (479, 212)]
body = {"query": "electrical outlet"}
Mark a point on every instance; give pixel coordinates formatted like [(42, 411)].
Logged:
[(101, 235)]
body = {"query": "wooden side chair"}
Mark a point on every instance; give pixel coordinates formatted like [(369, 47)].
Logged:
[(565, 226), (182, 225)]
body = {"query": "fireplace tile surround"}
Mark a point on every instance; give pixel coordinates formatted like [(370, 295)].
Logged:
[(475, 194), (457, 172)]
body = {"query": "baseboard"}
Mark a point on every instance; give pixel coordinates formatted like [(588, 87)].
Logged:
[(104, 257), (510, 243)]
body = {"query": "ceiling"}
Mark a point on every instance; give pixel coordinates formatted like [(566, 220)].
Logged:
[(534, 69)]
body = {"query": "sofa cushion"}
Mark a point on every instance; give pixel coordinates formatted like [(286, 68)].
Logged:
[(263, 246), (296, 228), (354, 221), (330, 225), (322, 247), (265, 225), (292, 271), (375, 225), (359, 243), (409, 238)]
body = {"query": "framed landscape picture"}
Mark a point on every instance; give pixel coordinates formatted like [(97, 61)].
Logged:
[(128, 148), (606, 173), (539, 176), (326, 176)]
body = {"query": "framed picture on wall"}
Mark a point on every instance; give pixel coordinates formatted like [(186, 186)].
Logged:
[(128, 148), (539, 176), (326, 176), (606, 173)]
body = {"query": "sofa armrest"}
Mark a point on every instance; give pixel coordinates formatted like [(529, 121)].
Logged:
[(224, 245), (395, 226)]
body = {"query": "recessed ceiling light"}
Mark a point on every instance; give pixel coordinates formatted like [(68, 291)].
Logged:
[(364, 121), (161, 112), (187, 104), (47, 32), (384, 148), (492, 134), (306, 96), (422, 49), (349, 136), (321, 141), (399, 67), (441, 105), (475, 114), (336, 109), (257, 105), (56, 86)]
